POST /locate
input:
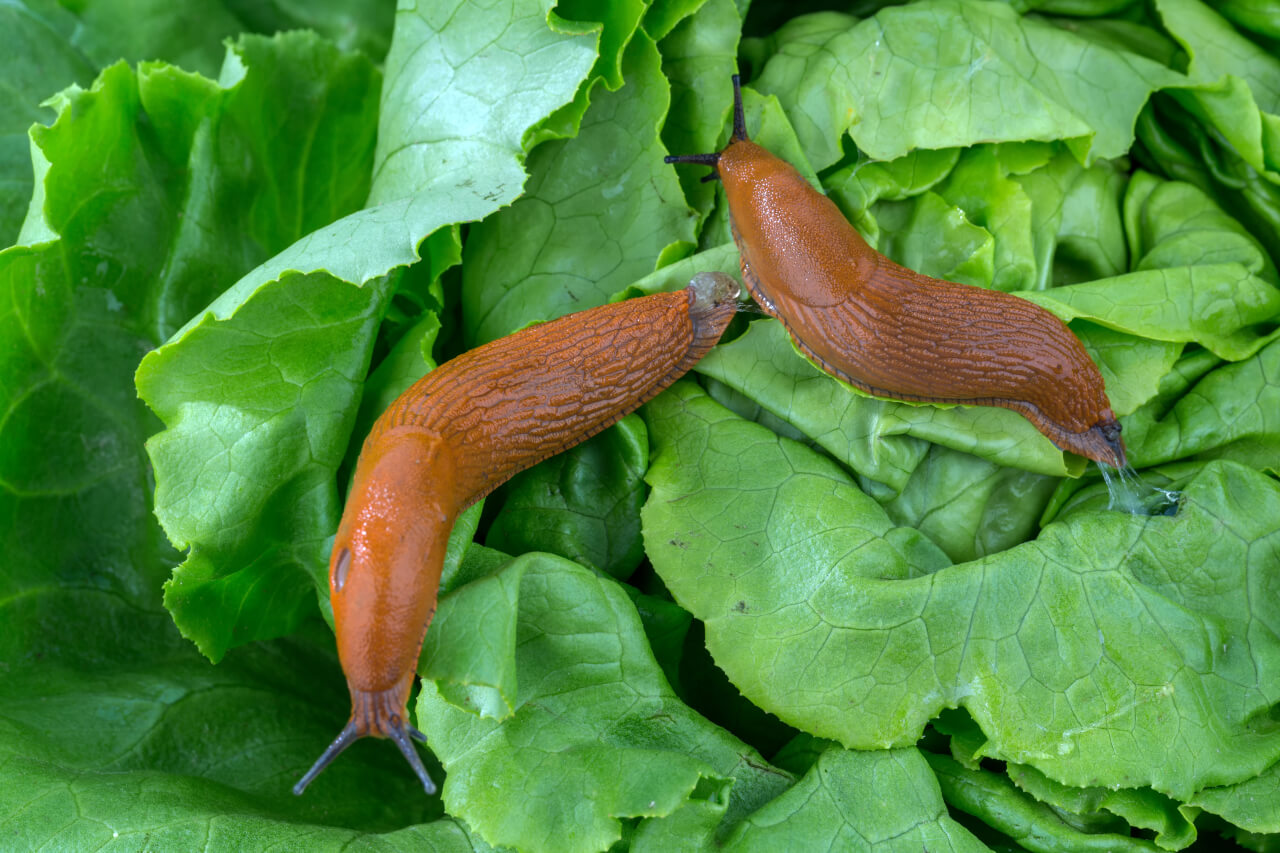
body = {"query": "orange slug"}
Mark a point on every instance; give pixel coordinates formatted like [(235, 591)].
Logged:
[(454, 436), (893, 332)]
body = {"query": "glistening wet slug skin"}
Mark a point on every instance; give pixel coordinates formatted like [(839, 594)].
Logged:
[(891, 331), (458, 433)]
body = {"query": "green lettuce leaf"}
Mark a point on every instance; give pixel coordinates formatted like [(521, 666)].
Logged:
[(596, 735), (303, 233), (116, 733), (1256, 15), (993, 799), (1087, 809), (1069, 650), (1218, 306), (38, 60), (583, 504), (583, 228), (1138, 807), (968, 505), (1240, 91), (834, 808), (945, 73), (1252, 805), (1231, 412), (222, 392), (698, 57), (275, 439), (50, 46), (143, 742)]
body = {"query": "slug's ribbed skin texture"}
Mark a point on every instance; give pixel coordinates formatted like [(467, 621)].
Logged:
[(894, 332), (547, 388), (891, 331), (458, 433)]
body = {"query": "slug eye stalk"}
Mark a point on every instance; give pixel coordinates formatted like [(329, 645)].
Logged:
[(739, 135), (400, 734), (373, 716), (700, 159), (348, 735)]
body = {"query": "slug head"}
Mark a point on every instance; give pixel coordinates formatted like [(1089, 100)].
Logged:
[(710, 290), (384, 577)]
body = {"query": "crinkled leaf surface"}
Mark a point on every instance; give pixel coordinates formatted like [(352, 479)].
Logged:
[(275, 437), (1216, 305), (859, 186), (598, 210), (142, 742), (49, 46), (593, 718), (980, 185), (946, 73), (1241, 98), (596, 734), (583, 504), (237, 386), (1087, 809), (993, 799), (858, 801), (1253, 805), (37, 61), (968, 505), (964, 138), (698, 57), (1172, 224), (75, 318), (1138, 807), (1087, 653), (1234, 409), (114, 732)]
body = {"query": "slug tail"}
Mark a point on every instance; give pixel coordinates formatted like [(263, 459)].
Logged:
[(1101, 442), (376, 714), (1110, 431)]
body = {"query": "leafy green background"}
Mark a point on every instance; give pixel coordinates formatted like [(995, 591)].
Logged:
[(766, 612)]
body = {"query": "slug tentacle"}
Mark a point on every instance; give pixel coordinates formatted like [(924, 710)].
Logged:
[(701, 159), (893, 332), (375, 714), (456, 434), (739, 135), (739, 115), (345, 738)]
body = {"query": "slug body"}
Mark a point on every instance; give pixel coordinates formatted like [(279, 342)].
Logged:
[(891, 331), (454, 436)]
